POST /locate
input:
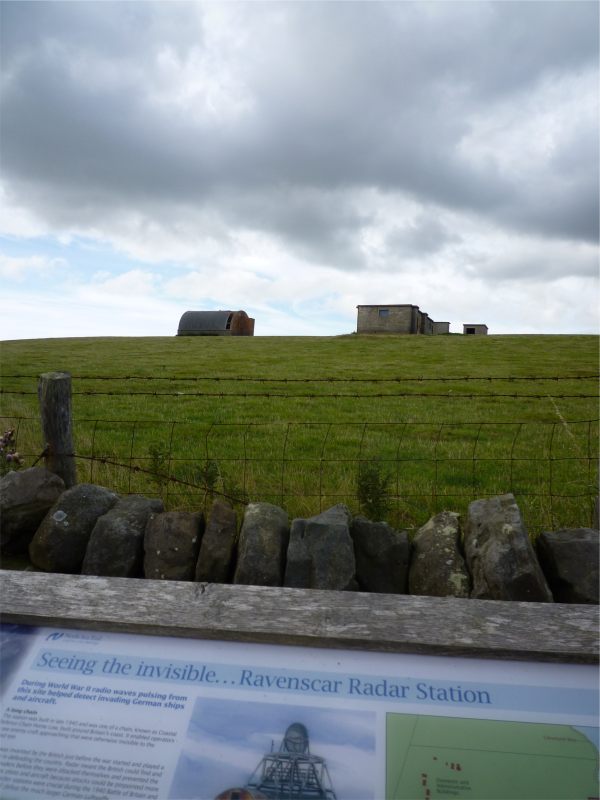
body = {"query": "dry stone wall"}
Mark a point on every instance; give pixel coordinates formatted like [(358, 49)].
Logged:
[(91, 530)]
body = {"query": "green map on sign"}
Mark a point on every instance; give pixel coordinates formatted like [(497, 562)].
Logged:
[(432, 758)]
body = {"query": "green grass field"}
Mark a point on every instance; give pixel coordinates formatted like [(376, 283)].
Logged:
[(444, 419)]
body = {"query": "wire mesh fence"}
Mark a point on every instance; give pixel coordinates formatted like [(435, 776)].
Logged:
[(402, 471)]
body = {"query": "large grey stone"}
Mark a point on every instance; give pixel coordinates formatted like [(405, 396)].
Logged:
[(437, 567), (381, 554), (299, 561), (171, 545), (569, 559), (320, 553), (216, 558), (499, 554), (262, 545), (26, 496), (116, 545), (60, 542)]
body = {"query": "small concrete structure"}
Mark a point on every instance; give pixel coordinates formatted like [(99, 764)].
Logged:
[(216, 323), (397, 319), (475, 329)]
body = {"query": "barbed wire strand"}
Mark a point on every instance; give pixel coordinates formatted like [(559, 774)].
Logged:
[(330, 379), (302, 423), (449, 395)]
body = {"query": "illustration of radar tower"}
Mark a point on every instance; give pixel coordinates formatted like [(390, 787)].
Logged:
[(290, 773)]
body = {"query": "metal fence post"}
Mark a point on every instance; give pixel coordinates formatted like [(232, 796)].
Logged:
[(54, 394)]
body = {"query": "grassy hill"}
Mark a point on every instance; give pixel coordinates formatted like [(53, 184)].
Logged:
[(434, 421)]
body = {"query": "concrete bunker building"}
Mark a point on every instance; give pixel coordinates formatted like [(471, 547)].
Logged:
[(472, 329), (406, 318), (215, 323), (397, 319)]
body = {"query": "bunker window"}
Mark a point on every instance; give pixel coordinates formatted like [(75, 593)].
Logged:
[(384, 312)]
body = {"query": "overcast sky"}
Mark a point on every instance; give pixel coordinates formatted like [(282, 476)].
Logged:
[(295, 160)]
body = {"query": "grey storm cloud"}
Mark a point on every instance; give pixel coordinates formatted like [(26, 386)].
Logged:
[(424, 235), (311, 103)]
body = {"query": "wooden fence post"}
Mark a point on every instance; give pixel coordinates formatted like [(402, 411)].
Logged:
[(54, 393)]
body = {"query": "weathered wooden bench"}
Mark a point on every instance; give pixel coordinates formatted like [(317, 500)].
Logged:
[(303, 617)]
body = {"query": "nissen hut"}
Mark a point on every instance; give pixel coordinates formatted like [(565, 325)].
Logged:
[(216, 323)]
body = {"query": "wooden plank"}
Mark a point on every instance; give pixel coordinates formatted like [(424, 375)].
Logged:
[(347, 620)]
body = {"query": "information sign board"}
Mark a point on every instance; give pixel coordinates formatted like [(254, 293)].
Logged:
[(95, 714)]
